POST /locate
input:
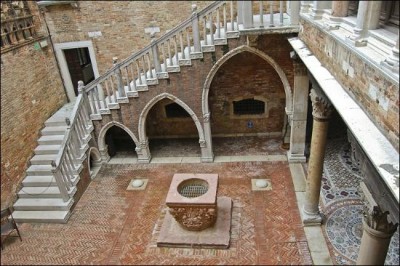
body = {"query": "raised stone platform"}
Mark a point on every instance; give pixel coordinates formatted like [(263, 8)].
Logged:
[(217, 236)]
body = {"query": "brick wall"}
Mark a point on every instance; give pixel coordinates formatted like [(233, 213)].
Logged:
[(121, 23), (31, 91), (377, 95)]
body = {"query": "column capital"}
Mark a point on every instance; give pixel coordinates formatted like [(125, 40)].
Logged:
[(322, 108), (377, 220), (299, 68)]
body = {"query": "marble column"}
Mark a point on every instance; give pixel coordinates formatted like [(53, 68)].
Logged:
[(367, 19), (375, 240), (294, 12), (207, 155), (299, 117), (247, 13), (321, 113)]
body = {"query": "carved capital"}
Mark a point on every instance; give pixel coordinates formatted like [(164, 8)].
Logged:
[(322, 108), (206, 117), (194, 219), (377, 220)]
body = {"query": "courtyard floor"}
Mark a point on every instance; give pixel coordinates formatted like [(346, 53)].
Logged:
[(113, 225)]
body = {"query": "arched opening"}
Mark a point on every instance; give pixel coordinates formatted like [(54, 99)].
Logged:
[(247, 103), (171, 131), (94, 162), (120, 144)]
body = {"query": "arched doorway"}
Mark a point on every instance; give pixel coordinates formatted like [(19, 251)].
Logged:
[(247, 101), (119, 143)]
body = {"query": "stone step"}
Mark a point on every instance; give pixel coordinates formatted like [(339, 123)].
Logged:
[(51, 204), (41, 216), (54, 130), (43, 159), (51, 140), (39, 170), (42, 192), (47, 149), (39, 181)]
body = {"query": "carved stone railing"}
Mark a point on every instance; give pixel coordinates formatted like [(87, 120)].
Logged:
[(73, 147), (17, 24), (197, 34)]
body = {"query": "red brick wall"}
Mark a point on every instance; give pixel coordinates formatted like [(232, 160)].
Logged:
[(122, 24), (359, 85)]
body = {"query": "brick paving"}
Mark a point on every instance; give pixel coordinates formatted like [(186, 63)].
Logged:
[(111, 225)]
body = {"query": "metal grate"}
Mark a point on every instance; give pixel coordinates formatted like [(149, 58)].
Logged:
[(193, 190)]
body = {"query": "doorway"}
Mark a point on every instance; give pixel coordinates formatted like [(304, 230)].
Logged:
[(79, 66), (77, 61)]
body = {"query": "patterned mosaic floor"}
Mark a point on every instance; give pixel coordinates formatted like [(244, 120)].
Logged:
[(342, 206)]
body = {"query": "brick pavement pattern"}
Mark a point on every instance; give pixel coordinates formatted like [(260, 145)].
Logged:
[(112, 225)]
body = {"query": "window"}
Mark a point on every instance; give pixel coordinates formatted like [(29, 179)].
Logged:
[(174, 110), (248, 107)]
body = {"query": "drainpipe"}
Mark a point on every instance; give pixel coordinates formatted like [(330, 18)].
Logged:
[(54, 52)]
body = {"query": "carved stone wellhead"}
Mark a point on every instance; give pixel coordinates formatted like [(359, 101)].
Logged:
[(192, 200)]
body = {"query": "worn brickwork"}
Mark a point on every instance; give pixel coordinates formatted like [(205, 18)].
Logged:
[(31, 91), (122, 24), (187, 85), (376, 94)]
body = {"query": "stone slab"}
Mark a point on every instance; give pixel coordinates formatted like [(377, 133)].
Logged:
[(218, 236)]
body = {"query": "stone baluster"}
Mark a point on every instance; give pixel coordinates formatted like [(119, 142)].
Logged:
[(321, 113), (375, 240), (261, 14), (247, 11), (108, 93), (280, 13), (148, 55), (294, 12), (210, 22), (224, 18), (138, 72), (181, 44), (205, 29), (68, 168), (120, 83), (392, 61), (96, 95), (127, 79), (195, 28), (113, 92), (271, 13), (92, 94), (299, 117), (144, 67), (163, 54), (75, 144), (154, 50), (71, 157), (367, 19), (232, 18), (239, 12), (169, 52), (176, 49), (86, 104), (188, 42), (318, 8), (218, 25), (60, 182)]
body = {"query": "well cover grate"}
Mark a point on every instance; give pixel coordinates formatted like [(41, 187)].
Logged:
[(193, 190)]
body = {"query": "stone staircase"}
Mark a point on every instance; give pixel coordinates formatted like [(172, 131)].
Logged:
[(39, 199)]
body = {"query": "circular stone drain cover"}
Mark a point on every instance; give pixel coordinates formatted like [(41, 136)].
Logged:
[(137, 183), (261, 183)]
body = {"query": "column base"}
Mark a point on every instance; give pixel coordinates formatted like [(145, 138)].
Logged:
[(296, 158), (207, 159), (311, 219)]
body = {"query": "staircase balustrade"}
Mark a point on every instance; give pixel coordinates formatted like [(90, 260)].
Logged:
[(73, 146)]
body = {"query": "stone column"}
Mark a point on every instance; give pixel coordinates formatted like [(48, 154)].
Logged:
[(105, 157), (240, 12), (321, 112), (318, 8), (375, 241), (299, 117), (143, 152), (367, 19), (207, 155)]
